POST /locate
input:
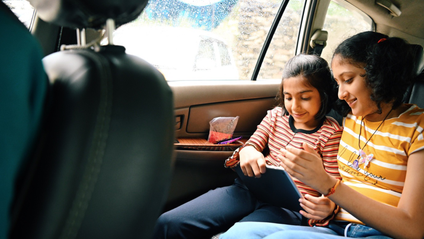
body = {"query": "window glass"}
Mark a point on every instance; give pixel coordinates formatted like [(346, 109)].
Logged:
[(224, 54), (283, 44), (206, 54), (342, 21), (22, 9), (201, 39)]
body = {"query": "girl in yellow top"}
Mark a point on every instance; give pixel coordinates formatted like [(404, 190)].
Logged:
[(380, 156)]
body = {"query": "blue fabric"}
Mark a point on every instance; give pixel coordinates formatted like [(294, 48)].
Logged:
[(23, 85), (256, 230), (217, 210)]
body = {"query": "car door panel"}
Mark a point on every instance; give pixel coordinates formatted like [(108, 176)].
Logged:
[(197, 171)]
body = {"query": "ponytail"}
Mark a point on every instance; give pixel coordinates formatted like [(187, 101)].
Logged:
[(389, 70)]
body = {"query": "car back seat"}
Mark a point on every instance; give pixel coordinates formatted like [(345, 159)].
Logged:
[(417, 91), (414, 93)]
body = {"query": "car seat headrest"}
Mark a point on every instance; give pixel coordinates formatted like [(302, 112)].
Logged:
[(88, 13), (418, 52)]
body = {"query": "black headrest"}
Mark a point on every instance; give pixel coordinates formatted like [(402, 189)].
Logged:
[(417, 52), (88, 13)]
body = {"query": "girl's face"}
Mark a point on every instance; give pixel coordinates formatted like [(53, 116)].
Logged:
[(302, 102), (352, 87)]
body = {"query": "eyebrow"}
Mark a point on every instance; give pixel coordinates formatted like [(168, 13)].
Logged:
[(340, 75), (305, 91), (344, 72), (347, 72)]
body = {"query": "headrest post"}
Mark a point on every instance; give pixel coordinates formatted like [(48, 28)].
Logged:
[(81, 37), (110, 28), (78, 37)]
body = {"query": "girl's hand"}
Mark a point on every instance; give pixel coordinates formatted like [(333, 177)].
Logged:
[(306, 165), (252, 162), (317, 208)]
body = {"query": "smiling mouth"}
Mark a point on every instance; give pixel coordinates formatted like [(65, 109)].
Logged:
[(298, 115), (351, 102)]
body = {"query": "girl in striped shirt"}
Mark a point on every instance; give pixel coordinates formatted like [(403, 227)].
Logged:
[(306, 96), (381, 154)]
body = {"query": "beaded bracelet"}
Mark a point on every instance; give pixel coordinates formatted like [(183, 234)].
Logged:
[(333, 189)]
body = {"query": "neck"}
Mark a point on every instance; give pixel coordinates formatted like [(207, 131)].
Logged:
[(386, 113)]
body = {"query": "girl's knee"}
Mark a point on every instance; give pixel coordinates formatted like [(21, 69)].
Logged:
[(163, 220), (166, 226)]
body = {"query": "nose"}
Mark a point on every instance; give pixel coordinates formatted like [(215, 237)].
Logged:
[(342, 93), (295, 105)]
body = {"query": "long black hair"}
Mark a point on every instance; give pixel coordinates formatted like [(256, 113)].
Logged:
[(388, 64), (318, 75)]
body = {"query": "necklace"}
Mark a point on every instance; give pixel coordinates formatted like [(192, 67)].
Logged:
[(363, 158)]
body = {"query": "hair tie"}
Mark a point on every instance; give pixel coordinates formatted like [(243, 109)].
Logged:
[(381, 40)]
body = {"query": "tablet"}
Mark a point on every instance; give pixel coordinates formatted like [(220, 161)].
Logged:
[(275, 187)]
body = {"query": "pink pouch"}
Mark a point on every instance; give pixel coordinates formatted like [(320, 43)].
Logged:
[(222, 128)]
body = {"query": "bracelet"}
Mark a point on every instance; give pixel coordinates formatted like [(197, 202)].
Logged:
[(234, 159), (333, 189), (324, 222)]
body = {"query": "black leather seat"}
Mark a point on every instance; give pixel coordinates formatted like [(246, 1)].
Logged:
[(413, 95), (105, 157), (417, 89)]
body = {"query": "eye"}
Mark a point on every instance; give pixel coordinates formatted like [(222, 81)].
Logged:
[(306, 98), (288, 98), (348, 81)]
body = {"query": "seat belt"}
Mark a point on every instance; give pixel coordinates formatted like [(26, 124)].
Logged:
[(318, 41)]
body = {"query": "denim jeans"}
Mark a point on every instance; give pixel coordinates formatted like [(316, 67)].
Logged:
[(251, 230), (217, 210)]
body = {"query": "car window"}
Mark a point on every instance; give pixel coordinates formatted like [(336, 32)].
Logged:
[(22, 9), (208, 39), (206, 56), (224, 54), (342, 21), (283, 44)]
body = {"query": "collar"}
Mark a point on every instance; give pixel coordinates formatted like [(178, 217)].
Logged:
[(295, 130)]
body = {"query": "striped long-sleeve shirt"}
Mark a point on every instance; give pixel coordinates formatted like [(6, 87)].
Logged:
[(277, 131), (389, 146)]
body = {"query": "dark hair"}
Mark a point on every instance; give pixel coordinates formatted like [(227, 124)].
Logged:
[(388, 64), (317, 73)]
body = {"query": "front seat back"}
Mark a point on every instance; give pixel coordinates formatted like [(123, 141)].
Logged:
[(105, 158), (22, 94)]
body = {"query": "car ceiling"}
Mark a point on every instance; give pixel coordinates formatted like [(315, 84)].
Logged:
[(409, 22)]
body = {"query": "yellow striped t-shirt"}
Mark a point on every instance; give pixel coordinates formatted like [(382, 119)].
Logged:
[(388, 148)]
